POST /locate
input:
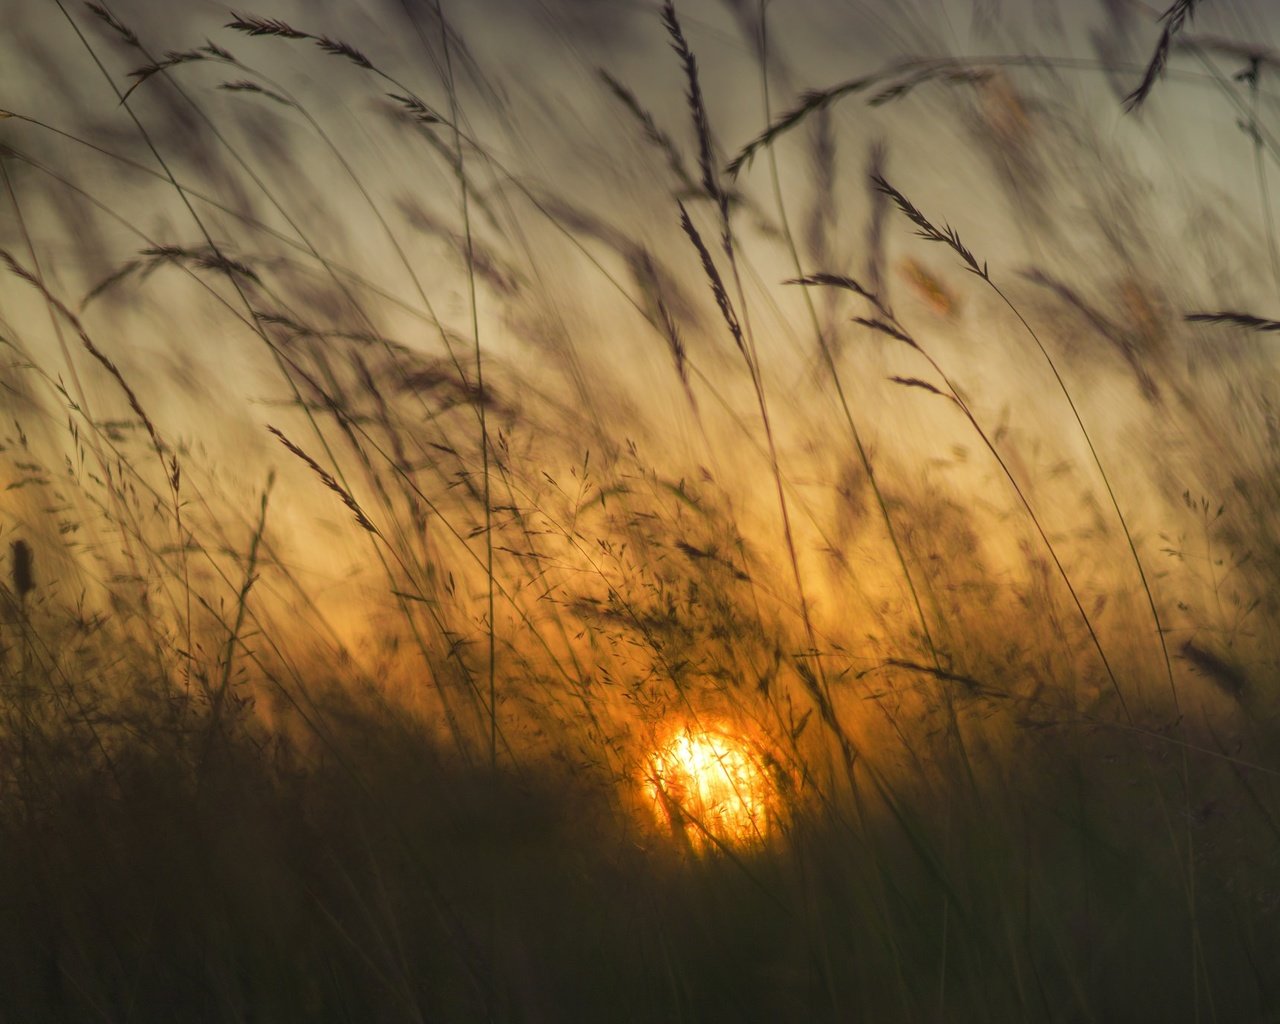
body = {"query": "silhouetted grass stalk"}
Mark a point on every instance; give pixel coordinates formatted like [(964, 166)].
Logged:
[(464, 195), (949, 237), (828, 358), (813, 676)]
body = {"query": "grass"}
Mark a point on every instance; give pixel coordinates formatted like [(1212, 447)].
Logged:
[(398, 501)]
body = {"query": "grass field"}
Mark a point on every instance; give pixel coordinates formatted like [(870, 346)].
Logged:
[(700, 512)]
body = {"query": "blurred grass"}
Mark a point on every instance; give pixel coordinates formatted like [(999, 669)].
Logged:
[(368, 740)]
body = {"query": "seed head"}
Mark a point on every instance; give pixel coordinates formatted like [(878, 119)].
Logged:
[(23, 561)]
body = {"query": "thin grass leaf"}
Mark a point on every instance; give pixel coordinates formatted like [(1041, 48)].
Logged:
[(1245, 320), (255, 26), (340, 49), (1216, 669), (717, 283), (110, 281), (172, 58), (652, 132), (420, 111), (924, 385), (214, 50), (946, 675), (834, 281), (280, 320), (61, 308), (217, 261), (164, 253), (925, 228), (698, 108), (674, 342), (887, 328), (203, 259), (119, 27), (327, 479), (809, 103), (1173, 20), (877, 282), (945, 73), (243, 85)]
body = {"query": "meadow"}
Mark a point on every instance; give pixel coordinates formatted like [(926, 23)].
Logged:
[(658, 512)]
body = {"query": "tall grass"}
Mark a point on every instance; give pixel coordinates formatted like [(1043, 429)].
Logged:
[(405, 456)]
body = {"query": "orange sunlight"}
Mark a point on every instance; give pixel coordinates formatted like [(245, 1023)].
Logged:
[(708, 786)]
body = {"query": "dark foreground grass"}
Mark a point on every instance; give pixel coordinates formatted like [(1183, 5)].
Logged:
[(398, 885)]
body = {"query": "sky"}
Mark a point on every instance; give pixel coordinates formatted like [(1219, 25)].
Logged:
[(1026, 150)]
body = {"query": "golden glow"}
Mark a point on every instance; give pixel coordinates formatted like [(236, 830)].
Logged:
[(929, 288), (708, 785)]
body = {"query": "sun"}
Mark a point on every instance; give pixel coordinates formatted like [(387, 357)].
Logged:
[(708, 786)]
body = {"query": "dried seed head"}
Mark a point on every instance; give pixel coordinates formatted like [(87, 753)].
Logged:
[(23, 562)]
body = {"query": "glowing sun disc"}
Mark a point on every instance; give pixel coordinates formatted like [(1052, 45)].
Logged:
[(708, 785)]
